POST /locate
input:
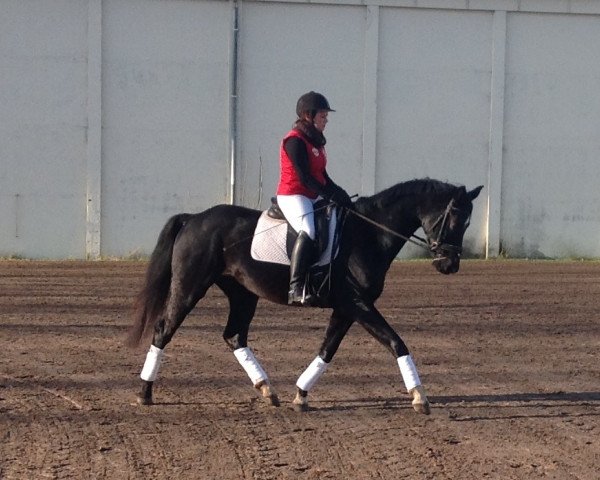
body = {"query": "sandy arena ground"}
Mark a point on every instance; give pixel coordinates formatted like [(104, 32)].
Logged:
[(508, 351)]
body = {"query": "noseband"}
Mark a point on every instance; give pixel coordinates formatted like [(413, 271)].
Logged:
[(438, 246)]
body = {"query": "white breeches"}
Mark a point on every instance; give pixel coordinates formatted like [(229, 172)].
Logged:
[(299, 212)]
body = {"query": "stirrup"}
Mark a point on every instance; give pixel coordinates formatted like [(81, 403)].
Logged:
[(302, 298)]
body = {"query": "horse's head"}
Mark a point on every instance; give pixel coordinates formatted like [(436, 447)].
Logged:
[(445, 228)]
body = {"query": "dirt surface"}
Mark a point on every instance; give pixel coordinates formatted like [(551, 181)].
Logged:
[(508, 353)]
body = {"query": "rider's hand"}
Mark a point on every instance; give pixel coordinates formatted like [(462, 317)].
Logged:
[(341, 198)]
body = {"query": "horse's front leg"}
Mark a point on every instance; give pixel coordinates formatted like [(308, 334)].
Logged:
[(370, 318), (337, 329)]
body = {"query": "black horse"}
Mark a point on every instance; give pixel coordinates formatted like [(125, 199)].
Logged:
[(196, 251)]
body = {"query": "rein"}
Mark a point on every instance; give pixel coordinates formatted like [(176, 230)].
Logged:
[(437, 246), (420, 242)]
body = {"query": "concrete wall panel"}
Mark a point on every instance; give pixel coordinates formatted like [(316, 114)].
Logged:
[(165, 116), (551, 205), (43, 128), (434, 101)]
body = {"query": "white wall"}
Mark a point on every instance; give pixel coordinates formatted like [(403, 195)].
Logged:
[(43, 56), (550, 198), (116, 114), (434, 118), (165, 116)]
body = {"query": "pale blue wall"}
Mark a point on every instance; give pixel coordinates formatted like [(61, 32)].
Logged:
[(116, 114)]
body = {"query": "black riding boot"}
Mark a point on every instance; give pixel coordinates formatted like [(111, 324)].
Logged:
[(302, 256)]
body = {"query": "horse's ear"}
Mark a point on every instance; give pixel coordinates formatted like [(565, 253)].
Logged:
[(473, 194), (461, 194)]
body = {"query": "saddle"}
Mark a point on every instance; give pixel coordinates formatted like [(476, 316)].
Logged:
[(323, 211), (274, 240)]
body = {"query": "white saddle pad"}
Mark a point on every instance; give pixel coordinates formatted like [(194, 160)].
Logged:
[(269, 242)]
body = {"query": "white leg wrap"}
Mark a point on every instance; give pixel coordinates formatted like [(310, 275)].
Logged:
[(310, 376), (409, 372), (152, 364), (250, 365)]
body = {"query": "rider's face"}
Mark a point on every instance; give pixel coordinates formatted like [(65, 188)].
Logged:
[(320, 120)]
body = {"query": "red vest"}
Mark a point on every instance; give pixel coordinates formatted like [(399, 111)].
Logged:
[(289, 181)]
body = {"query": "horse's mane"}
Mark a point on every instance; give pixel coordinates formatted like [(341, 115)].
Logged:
[(420, 186)]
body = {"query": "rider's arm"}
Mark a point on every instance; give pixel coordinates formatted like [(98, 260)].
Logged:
[(336, 193), (296, 152)]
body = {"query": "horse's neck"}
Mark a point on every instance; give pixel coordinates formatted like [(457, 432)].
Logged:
[(374, 249), (402, 218), (393, 226)]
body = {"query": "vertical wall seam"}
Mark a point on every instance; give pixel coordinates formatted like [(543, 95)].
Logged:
[(496, 140), (94, 131), (233, 99), (371, 61)]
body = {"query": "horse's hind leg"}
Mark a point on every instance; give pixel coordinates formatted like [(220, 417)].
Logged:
[(187, 287), (164, 330), (242, 306)]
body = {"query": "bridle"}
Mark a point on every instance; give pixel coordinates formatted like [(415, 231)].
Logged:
[(438, 246)]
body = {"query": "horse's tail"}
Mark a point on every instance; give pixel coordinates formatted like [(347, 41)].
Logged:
[(151, 299)]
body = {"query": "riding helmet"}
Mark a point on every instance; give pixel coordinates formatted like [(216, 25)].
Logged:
[(312, 102)]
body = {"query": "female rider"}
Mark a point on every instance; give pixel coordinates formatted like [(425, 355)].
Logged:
[(303, 180)]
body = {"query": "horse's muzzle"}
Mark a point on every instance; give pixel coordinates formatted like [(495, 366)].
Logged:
[(446, 264)]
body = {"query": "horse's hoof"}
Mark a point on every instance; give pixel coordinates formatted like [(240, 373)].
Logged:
[(422, 408), (300, 404), (267, 394), (420, 402), (272, 400), (300, 407), (144, 401)]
